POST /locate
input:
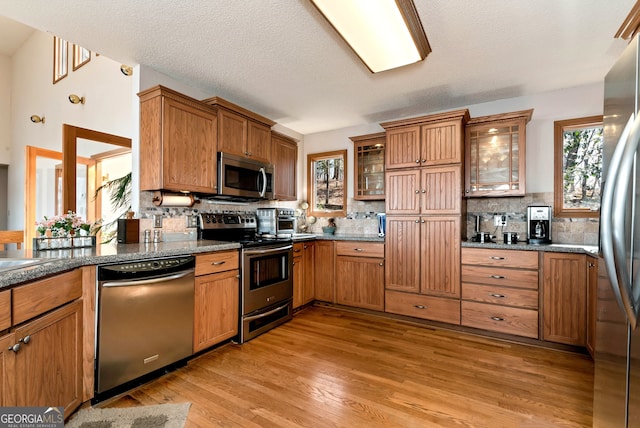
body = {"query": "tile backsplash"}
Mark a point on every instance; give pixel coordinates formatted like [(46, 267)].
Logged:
[(581, 231)]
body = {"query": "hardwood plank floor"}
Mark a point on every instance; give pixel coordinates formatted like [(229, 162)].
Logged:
[(334, 368)]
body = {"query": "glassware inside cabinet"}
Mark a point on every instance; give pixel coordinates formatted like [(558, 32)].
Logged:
[(369, 166)]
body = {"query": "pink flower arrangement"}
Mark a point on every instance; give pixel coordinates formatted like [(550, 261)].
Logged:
[(63, 225)]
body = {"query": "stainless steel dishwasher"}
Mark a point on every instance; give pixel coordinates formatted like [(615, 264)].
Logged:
[(144, 319)]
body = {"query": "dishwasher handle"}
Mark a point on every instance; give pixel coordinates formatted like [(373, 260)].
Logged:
[(148, 281)]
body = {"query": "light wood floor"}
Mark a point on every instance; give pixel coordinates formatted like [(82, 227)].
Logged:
[(329, 367)]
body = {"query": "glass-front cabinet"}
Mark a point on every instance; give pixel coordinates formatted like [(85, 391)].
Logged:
[(369, 166), (495, 154)]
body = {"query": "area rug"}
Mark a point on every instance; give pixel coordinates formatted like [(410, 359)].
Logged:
[(160, 416)]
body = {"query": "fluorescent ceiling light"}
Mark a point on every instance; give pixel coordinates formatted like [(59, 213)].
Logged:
[(385, 34)]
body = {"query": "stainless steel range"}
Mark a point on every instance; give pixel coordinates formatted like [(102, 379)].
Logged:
[(266, 295)]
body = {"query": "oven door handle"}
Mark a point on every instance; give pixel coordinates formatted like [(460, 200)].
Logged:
[(267, 251), (147, 281), (266, 314)]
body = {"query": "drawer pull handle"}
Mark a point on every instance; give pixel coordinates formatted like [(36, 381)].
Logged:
[(358, 249), (496, 258), (218, 263), (297, 251), (500, 296), (496, 276), (497, 319), (420, 306)]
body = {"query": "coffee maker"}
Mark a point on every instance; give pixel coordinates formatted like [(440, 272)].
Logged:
[(539, 224)]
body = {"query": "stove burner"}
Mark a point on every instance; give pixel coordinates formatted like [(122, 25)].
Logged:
[(238, 227)]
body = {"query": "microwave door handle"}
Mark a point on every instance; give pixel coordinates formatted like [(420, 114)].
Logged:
[(621, 202), (606, 210), (264, 182)]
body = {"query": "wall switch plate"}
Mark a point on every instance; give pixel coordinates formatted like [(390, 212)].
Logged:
[(157, 220), (500, 220), (192, 221)]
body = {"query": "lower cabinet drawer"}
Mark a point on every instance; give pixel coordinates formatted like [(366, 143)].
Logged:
[(426, 307), (500, 295), (503, 319)]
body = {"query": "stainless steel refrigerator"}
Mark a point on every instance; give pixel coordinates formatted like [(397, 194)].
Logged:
[(617, 348)]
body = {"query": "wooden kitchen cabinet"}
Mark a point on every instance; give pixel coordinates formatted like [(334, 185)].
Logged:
[(495, 155), (303, 273), (359, 273), (425, 141), (592, 298), (284, 156), (217, 298), (41, 353), (324, 271), (242, 132), (178, 137), (423, 258), (436, 190), (500, 290), (564, 303), (369, 167)]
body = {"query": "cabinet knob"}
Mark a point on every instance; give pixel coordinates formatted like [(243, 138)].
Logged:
[(424, 191), (422, 221), (497, 319), (466, 190), (417, 160), (417, 191), (417, 221), (15, 348), (380, 264), (26, 339), (423, 160)]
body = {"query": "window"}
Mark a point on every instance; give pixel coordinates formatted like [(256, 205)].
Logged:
[(327, 184), (81, 56), (578, 166), (60, 59)]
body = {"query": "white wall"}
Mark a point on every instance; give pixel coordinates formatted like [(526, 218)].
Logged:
[(548, 107), (108, 107)]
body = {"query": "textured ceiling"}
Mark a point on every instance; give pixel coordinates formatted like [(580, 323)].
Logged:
[(282, 60)]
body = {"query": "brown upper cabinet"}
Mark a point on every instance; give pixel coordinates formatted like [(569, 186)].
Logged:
[(284, 156), (177, 142), (424, 140), (369, 167), (495, 154), (242, 132)]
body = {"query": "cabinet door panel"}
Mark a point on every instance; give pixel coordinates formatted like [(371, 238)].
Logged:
[(189, 157), (440, 256), (216, 309), (564, 287), (298, 281), (308, 290), (284, 155), (441, 144), (7, 371), (324, 280), (403, 254), (441, 190), (403, 192), (259, 141), (49, 367), (361, 282), (402, 149), (232, 133)]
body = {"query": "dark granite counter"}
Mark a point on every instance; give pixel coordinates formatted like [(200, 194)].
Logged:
[(558, 248), (56, 261)]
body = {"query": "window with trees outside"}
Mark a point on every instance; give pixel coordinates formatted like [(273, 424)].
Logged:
[(327, 184), (578, 166)]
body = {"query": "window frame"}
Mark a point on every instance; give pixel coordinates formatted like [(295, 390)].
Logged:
[(312, 158), (60, 59), (560, 126), (78, 52)]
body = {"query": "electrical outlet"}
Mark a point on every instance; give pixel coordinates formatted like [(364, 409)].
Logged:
[(157, 220), (192, 221), (500, 220)]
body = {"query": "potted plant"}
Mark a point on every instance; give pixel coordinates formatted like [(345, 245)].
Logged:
[(330, 228)]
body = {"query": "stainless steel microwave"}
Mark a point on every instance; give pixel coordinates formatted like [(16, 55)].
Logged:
[(244, 179)]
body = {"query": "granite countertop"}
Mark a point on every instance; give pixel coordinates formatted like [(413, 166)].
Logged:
[(348, 237), (558, 248), (56, 261)]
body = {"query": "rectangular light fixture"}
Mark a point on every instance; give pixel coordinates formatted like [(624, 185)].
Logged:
[(385, 34)]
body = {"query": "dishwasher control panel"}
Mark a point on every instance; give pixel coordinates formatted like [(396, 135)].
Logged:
[(145, 268)]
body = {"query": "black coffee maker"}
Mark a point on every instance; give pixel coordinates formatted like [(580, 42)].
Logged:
[(539, 224)]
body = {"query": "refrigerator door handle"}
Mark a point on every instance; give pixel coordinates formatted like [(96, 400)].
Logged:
[(621, 201), (606, 212)]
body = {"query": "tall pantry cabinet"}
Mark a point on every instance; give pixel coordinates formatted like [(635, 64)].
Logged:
[(424, 205)]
